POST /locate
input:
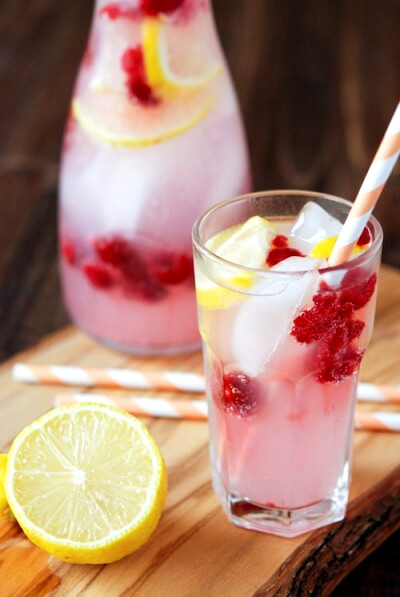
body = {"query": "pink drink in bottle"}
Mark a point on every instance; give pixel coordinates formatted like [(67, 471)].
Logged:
[(154, 138)]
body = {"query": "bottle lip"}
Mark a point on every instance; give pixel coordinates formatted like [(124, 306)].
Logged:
[(199, 244)]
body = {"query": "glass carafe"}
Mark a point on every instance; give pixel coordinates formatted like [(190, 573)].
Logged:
[(154, 138)]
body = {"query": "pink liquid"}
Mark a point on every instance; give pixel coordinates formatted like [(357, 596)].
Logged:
[(293, 451), (145, 197)]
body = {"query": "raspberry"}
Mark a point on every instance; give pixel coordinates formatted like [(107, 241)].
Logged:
[(354, 277), (336, 366), (280, 253), (98, 275), (114, 11), (312, 324), (141, 91), (359, 295), (172, 268), (68, 252), (132, 63), (155, 7), (365, 237), (280, 240), (354, 328), (323, 286), (124, 260), (280, 250), (137, 283), (237, 393), (331, 323), (115, 250)]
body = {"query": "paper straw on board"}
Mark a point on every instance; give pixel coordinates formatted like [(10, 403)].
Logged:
[(62, 375), (196, 410), (377, 421), (374, 182), (368, 392)]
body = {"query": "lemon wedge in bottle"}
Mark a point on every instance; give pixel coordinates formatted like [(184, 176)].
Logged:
[(173, 63)]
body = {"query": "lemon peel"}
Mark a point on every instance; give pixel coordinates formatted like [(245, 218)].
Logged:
[(3, 499), (86, 483)]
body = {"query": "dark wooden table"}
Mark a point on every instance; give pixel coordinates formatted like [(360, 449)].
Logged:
[(318, 83)]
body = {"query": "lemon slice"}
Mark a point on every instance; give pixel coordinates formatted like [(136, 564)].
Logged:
[(212, 296), (111, 117), (324, 248), (86, 483), (173, 61), (247, 244)]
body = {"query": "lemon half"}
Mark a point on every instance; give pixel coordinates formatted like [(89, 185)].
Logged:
[(86, 483)]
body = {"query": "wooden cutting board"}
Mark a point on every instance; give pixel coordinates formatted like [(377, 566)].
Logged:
[(195, 551)]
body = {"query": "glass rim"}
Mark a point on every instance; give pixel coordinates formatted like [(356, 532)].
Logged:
[(356, 261)]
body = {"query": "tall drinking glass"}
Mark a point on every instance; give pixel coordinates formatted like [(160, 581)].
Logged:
[(154, 138), (282, 349)]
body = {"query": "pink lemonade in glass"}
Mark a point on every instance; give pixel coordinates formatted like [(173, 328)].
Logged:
[(154, 138), (283, 338)]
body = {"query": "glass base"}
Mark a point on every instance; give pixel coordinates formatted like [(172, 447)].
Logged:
[(285, 522)]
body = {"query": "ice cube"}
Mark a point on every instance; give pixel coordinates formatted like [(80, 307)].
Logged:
[(263, 322), (273, 284), (313, 224), (299, 264)]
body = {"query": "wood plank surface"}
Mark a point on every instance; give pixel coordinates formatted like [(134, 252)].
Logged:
[(195, 551), (317, 82)]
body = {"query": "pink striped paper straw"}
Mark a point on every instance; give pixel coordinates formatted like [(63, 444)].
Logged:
[(175, 381), (377, 421), (196, 410), (374, 182), (193, 410), (62, 375), (368, 392)]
